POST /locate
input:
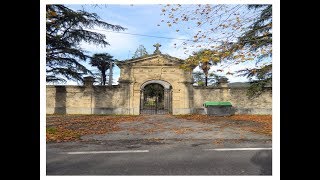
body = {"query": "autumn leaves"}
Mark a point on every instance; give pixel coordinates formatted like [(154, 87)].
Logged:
[(63, 128)]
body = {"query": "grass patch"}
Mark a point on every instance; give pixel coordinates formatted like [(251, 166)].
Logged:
[(51, 130), (61, 134)]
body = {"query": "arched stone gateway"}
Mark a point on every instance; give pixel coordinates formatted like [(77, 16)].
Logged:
[(159, 70), (156, 97)]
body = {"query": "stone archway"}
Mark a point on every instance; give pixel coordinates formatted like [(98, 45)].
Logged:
[(165, 84), (156, 97), (157, 68)]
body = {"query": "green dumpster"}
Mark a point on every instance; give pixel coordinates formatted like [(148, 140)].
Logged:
[(218, 108)]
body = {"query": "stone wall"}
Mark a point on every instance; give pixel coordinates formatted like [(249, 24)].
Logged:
[(238, 98), (86, 100), (115, 100)]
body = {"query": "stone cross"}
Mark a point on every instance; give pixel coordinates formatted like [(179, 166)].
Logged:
[(157, 51)]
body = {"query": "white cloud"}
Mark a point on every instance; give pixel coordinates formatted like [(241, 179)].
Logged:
[(115, 79), (119, 44)]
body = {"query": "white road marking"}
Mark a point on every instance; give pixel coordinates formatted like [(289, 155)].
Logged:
[(108, 152), (238, 149)]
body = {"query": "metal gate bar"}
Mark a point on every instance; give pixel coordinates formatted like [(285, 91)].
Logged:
[(156, 104)]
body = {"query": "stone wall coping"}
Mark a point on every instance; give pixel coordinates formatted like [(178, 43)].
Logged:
[(213, 87), (80, 86), (116, 86)]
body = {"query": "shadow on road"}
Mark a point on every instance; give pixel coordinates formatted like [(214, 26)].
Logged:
[(264, 160)]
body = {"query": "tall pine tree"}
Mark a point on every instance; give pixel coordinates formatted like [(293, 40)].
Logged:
[(65, 29), (140, 52), (258, 37), (102, 62)]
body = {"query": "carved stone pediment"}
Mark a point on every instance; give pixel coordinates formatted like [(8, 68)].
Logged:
[(157, 61), (152, 60)]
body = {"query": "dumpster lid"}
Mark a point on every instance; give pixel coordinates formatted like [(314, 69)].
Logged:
[(216, 103)]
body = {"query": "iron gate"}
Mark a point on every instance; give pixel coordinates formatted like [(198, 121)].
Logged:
[(159, 103)]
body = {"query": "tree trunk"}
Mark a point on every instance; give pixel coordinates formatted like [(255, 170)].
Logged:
[(103, 78), (206, 79), (206, 72), (205, 67), (110, 73)]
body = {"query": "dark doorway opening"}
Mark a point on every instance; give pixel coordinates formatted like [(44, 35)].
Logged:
[(155, 99)]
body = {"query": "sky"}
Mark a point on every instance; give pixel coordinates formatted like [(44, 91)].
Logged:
[(143, 20)]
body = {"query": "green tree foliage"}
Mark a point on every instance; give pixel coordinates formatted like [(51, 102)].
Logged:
[(65, 30), (140, 52), (263, 76), (237, 33), (102, 61), (258, 37), (153, 90), (204, 58), (199, 78)]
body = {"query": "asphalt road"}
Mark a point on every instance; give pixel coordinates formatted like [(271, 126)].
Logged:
[(157, 158)]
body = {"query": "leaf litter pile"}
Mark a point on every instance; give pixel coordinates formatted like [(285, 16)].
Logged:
[(261, 124), (62, 128)]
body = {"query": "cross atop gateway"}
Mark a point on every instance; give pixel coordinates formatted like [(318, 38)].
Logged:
[(157, 51)]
